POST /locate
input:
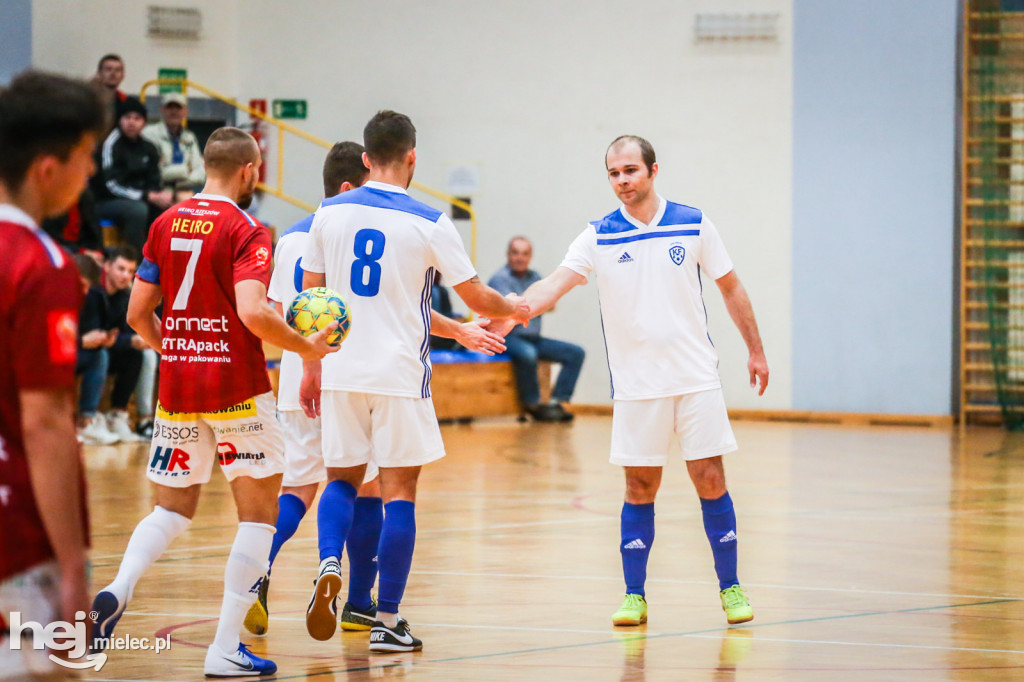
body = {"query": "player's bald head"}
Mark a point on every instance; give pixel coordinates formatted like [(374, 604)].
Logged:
[(229, 149), (623, 141)]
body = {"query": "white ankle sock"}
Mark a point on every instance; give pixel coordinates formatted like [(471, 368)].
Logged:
[(389, 619), (149, 540), (247, 564)]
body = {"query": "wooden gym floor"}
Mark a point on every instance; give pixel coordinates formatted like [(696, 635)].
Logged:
[(877, 553)]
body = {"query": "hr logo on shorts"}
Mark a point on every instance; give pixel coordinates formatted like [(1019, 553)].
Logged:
[(168, 459)]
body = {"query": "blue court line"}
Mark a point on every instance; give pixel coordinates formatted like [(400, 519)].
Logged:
[(662, 636)]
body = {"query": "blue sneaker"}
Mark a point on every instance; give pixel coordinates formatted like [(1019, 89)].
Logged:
[(241, 663), (108, 609)]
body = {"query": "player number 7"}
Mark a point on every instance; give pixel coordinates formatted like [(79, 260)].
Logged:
[(193, 246)]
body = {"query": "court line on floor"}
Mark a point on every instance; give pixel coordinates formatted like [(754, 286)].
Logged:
[(711, 633), (693, 633)]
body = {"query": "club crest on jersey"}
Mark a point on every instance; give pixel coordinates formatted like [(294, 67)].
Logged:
[(261, 255), (677, 253)]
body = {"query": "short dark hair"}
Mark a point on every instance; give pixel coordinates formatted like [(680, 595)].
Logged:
[(646, 150), (344, 163), (43, 114), (388, 137), (229, 149), (87, 268), (126, 252), (108, 58)]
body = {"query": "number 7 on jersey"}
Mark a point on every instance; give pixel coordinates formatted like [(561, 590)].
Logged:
[(194, 247)]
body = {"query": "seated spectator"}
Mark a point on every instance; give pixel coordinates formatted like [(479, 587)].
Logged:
[(109, 75), (119, 354), (181, 159), (441, 301), (127, 354), (78, 230), (526, 346), (127, 182)]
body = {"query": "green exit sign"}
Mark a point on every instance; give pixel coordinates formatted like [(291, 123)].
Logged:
[(290, 108), (171, 74)]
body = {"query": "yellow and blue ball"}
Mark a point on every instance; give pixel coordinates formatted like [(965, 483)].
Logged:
[(315, 308)]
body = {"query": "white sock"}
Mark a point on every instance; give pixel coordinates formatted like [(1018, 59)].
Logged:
[(247, 564), (389, 619), (149, 540)]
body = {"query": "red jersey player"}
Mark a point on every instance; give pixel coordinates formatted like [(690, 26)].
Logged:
[(48, 128), (210, 264)]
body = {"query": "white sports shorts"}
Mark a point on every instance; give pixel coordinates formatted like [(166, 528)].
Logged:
[(642, 430), (303, 453), (360, 428), (245, 438)]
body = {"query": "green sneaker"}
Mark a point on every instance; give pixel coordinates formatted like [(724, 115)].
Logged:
[(632, 612), (736, 605)]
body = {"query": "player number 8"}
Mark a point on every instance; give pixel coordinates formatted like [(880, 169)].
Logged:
[(369, 247)]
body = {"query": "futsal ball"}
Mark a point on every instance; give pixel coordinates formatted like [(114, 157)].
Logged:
[(314, 309)]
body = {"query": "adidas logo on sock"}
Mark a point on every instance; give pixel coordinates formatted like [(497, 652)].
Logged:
[(625, 257), (638, 544), (728, 537)]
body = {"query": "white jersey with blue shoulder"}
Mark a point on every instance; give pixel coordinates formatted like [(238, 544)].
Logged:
[(379, 249), (285, 284), (652, 310)]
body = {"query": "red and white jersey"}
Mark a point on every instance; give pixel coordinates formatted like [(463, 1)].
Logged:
[(197, 251), (40, 296)]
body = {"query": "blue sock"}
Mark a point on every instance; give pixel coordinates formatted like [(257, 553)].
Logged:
[(290, 511), (720, 525), (394, 557), (334, 517), (637, 537), (362, 543)]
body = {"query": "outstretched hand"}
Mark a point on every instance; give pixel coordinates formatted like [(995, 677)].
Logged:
[(498, 327), (476, 336), (521, 314)]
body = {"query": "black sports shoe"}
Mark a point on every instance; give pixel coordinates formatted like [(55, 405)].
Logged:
[(385, 640), (351, 619)]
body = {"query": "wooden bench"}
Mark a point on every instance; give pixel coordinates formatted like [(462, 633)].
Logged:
[(467, 385)]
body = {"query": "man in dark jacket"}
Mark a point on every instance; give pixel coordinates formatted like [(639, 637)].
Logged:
[(127, 184)]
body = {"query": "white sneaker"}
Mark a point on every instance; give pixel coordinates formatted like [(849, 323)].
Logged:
[(95, 432), (241, 663), (118, 424)]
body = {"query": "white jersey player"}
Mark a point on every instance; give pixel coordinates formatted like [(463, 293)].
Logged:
[(379, 249), (648, 257), (304, 470)]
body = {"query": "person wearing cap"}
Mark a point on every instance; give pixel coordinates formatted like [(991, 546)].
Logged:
[(127, 185), (181, 159)]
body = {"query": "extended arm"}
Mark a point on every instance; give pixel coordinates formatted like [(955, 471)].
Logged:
[(142, 312), (48, 422), (483, 300), (738, 304)]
